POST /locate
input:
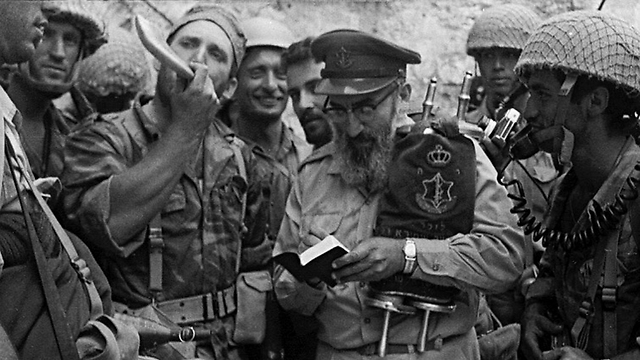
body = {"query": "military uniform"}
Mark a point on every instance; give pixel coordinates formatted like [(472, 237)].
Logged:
[(25, 315), (200, 222), (589, 277), (50, 162)]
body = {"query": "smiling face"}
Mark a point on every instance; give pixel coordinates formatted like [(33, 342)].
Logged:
[(56, 56), (262, 84), (21, 30), (302, 78), (496, 67)]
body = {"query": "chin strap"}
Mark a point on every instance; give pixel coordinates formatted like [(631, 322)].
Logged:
[(57, 89), (561, 113)]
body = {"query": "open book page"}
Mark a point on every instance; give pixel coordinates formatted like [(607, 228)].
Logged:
[(314, 262), (324, 246)]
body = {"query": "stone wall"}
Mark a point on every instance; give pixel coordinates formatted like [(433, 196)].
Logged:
[(437, 29)]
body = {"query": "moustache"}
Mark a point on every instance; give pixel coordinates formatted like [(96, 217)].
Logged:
[(311, 114)]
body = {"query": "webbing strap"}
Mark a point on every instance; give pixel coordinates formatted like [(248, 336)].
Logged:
[(561, 110), (609, 299), (59, 323), (243, 173), (156, 245), (582, 325), (78, 263)]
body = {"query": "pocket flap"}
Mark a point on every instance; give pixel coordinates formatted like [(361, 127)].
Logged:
[(326, 223), (258, 280)]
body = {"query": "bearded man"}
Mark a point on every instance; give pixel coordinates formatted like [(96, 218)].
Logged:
[(342, 186)]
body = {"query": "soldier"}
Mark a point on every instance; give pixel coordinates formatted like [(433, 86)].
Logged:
[(256, 115), (303, 74), (73, 33), (42, 289), (582, 69), (159, 190), (495, 41), (339, 190)]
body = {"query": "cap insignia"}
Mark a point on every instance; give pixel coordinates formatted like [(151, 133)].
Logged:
[(343, 58)]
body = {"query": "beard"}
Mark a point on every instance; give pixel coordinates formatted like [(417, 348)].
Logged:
[(364, 159)]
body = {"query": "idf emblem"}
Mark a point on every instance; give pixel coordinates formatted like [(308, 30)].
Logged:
[(343, 58), (436, 197)]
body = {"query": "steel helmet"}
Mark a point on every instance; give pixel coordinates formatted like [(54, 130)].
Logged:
[(267, 32), (118, 67), (503, 26), (589, 43), (92, 29), (75, 13)]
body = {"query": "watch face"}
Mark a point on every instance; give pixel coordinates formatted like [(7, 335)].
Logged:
[(410, 249)]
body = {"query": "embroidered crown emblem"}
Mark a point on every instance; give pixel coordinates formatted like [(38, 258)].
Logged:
[(343, 58), (438, 157)]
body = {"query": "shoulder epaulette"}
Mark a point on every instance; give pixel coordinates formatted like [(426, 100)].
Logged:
[(87, 122), (319, 154)]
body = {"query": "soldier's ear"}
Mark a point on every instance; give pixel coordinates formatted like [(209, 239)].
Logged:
[(405, 92), (232, 85), (598, 100)]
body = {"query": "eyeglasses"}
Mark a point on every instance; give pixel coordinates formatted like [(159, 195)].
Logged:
[(363, 112)]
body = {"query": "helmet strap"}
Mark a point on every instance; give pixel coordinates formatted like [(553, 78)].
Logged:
[(55, 90), (561, 113)]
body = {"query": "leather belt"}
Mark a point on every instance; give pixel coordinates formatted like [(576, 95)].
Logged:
[(199, 308)]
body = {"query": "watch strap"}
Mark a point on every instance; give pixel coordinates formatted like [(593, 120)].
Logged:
[(410, 256)]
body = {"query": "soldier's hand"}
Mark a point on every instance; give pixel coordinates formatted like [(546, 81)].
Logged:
[(257, 256), (194, 103), (372, 259), (535, 326), (498, 155)]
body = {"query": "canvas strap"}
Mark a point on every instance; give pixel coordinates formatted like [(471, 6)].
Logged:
[(242, 169), (156, 245), (61, 329), (609, 299), (582, 326)]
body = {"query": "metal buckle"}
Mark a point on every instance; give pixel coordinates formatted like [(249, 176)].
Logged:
[(609, 298)]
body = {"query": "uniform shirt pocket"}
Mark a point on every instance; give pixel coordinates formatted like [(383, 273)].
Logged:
[(316, 226)]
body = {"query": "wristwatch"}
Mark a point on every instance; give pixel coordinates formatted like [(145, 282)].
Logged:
[(410, 255)]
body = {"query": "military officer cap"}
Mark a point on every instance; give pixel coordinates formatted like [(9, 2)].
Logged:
[(359, 63)]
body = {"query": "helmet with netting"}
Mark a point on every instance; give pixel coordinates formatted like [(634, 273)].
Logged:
[(76, 13), (119, 67), (503, 26), (590, 43)]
